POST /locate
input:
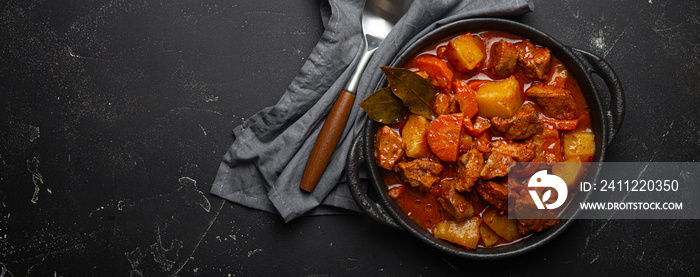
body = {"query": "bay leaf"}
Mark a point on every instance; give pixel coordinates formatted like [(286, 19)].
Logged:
[(415, 91), (383, 106)]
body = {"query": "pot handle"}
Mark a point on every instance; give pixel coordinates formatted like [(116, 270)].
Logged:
[(616, 112), (357, 158)]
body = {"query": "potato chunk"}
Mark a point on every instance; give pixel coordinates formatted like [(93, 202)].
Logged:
[(465, 52), (570, 171), (580, 144), (488, 236), (415, 134), (501, 224), (501, 98), (465, 233)]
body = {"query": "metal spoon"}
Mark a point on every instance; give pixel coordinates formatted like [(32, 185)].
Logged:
[(378, 18)]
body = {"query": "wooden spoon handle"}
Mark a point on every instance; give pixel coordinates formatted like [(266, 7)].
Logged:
[(327, 140)]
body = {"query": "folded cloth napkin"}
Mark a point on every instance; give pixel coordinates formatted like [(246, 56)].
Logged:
[(263, 167)]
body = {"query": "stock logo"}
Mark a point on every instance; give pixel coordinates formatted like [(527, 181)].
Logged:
[(543, 180)]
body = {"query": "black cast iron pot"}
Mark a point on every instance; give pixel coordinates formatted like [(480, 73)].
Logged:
[(581, 65)]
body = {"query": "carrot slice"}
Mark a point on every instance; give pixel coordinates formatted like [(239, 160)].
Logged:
[(444, 136), (437, 70)]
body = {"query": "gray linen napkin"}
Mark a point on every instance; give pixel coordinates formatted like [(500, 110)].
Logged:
[(263, 167)]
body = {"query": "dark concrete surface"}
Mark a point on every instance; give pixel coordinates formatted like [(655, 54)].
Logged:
[(115, 116)]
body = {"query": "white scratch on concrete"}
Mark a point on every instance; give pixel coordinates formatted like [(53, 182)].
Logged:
[(206, 231), (5, 272), (252, 252), (134, 258), (211, 98), (166, 257), (609, 49), (204, 201), (598, 40), (34, 133), (177, 110), (33, 167), (203, 130)]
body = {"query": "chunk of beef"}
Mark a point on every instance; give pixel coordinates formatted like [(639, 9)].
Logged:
[(524, 123), (483, 142), (504, 58), (445, 104), (478, 126), (468, 167), (547, 146), (493, 193), (453, 202), (389, 147), (396, 191), (558, 124), (534, 59), (420, 174), (465, 141), (497, 165), (555, 102), (529, 218), (526, 226), (520, 151), (558, 74)]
